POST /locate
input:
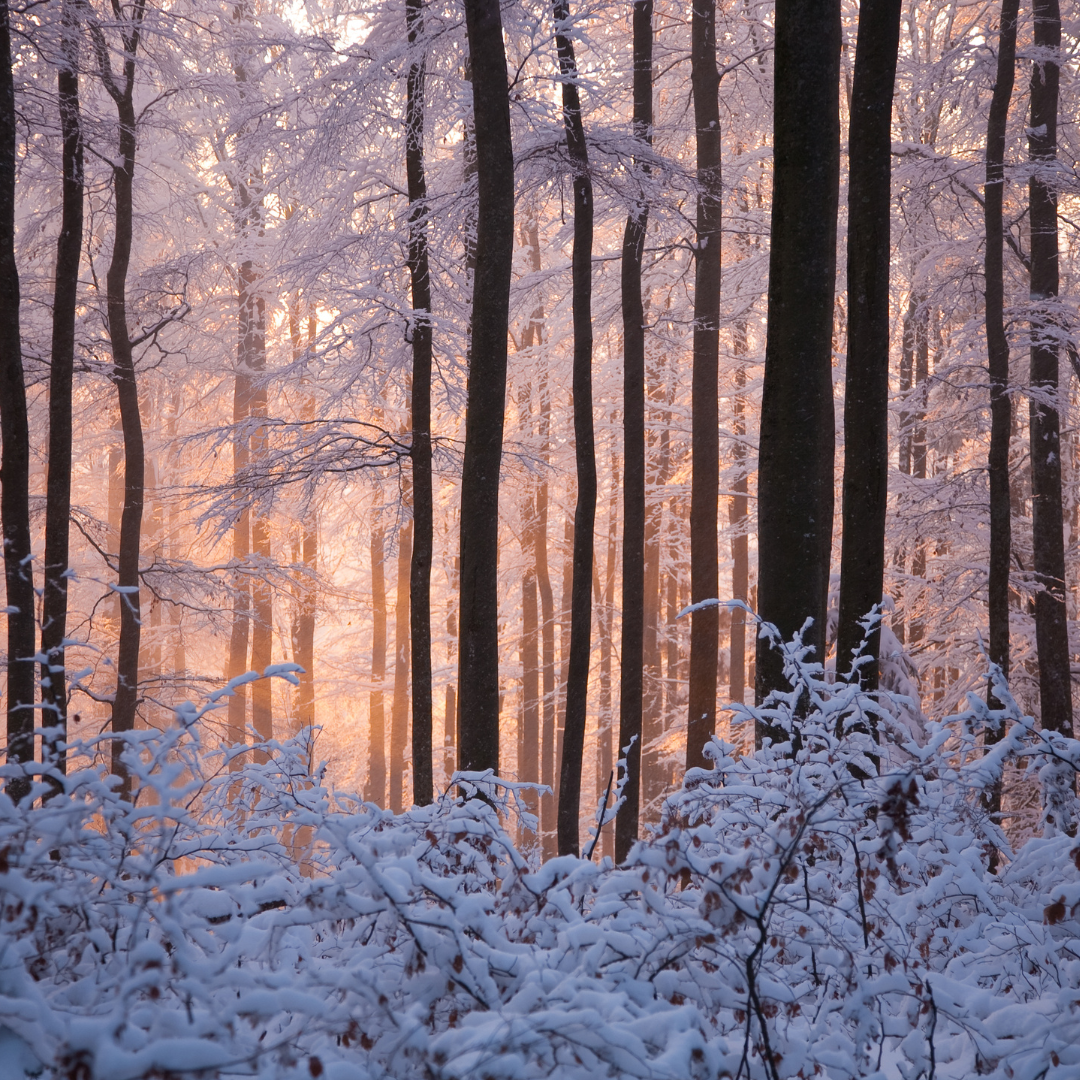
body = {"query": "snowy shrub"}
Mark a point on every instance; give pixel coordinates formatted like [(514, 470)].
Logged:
[(798, 913)]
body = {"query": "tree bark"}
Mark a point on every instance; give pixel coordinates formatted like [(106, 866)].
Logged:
[(1051, 623), (262, 597), (123, 375), (631, 660), (739, 519), (997, 348), (478, 672), (577, 683), (705, 420), (547, 626), (376, 781), (866, 389), (420, 330), (605, 758), (239, 637), (795, 475), (54, 603), (399, 707), (15, 465)]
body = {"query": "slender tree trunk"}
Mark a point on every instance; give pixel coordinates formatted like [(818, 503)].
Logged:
[(450, 722), (547, 629), (997, 348), (529, 756), (262, 597), (577, 684), (1051, 621), (478, 673), (795, 473), (15, 466), (921, 345), (866, 390), (54, 606), (123, 375), (705, 422), (376, 785), (739, 519), (307, 585), (420, 329), (241, 545), (631, 659), (605, 757), (399, 708)]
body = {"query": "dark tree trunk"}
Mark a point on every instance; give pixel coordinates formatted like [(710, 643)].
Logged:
[(15, 466), (376, 782), (577, 681), (478, 672), (54, 605), (705, 422), (123, 375), (631, 659), (866, 390), (420, 330), (1051, 624), (795, 473), (529, 747), (997, 348), (399, 706)]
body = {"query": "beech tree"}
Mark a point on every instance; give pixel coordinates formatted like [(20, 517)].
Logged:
[(478, 673), (705, 484), (577, 682), (795, 473), (631, 659), (866, 385), (15, 463)]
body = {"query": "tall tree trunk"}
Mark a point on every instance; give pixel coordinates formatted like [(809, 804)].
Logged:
[(577, 683), (547, 627), (420, 329), (605, 758), (399, 707), (478, 672), (529, 756), (795, 472), (376, 781), (997, 348), (866, 390), (122, 92), (262, 597), (1051, 622), (15, 466), (239, 637), (921, 345), (631, 659), (54, 604), (705, 422), (307, 585), (739, 519)]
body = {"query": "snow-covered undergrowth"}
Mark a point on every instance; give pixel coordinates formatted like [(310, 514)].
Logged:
[(796, 915)]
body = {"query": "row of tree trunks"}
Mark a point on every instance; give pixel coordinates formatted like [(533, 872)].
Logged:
[(478, 671), (54, 601), (631, 661), (577, 686), (15, 465), (866, 388), (705, 407)]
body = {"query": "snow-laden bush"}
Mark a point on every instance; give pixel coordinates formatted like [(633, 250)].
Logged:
[(796, 914)]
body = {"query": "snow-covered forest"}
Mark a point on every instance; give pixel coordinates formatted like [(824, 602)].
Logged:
[(540, 539)]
